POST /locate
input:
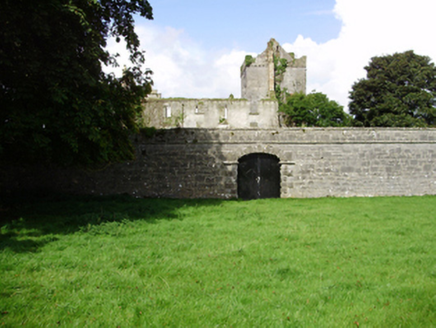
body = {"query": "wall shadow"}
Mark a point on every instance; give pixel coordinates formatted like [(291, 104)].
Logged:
[(179, 167), (29, 222)]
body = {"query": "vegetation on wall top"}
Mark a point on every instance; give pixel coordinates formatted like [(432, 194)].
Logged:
[(249, 60)]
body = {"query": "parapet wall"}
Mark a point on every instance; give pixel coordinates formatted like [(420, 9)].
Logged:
[(202, 163), (210, 113)]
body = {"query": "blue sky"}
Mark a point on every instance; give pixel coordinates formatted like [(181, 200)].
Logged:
[(243, 23), (196, 48)]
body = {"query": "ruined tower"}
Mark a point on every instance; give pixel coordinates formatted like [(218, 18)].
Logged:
[(258, 108), (272, 67)]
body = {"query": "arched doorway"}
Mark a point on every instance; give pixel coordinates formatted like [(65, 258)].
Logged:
[(258, 176)]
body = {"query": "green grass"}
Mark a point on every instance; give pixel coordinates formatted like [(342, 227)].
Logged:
[(119, 261)]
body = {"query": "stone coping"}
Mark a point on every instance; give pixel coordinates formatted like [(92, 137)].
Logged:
[(294, 136)]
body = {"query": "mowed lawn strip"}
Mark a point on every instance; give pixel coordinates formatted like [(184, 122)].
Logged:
[(120, 261)]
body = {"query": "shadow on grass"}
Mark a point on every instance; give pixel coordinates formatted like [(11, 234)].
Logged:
[(29, 222)]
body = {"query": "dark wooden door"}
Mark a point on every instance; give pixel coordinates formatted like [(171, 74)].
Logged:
[(258, 176)]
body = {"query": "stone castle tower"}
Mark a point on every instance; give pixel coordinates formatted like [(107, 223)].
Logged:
[(259, 75), (257, 108)]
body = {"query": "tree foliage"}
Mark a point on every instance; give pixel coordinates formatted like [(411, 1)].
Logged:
[(57, 103), (399, 91), (314, 109)]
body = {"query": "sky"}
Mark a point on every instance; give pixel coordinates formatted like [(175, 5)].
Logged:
[(196, 47)]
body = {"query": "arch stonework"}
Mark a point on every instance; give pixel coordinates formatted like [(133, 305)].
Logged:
[(285, 161), (314, 162), (202, 163)]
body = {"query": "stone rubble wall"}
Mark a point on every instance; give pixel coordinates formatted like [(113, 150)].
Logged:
[(259, 78), (202, 163), (211, 113)]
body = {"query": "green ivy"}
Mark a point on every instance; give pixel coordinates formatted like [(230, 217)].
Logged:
[(249, 60), (280, 65)]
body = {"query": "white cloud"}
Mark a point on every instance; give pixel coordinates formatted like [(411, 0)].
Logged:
[(370, 28), (182, 68)]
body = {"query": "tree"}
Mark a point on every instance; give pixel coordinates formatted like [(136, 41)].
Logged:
[(314, 109), (399, 91), (57, 103)]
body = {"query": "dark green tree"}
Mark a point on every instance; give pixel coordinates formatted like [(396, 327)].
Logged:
[(399, 91), (314, 109), (57, 104)]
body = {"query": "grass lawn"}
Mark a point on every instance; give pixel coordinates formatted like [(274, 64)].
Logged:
[(125, 262)]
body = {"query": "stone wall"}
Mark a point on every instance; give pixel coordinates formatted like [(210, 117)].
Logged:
[(210, 113), (258, 78), (202, 163), (255, 79)]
